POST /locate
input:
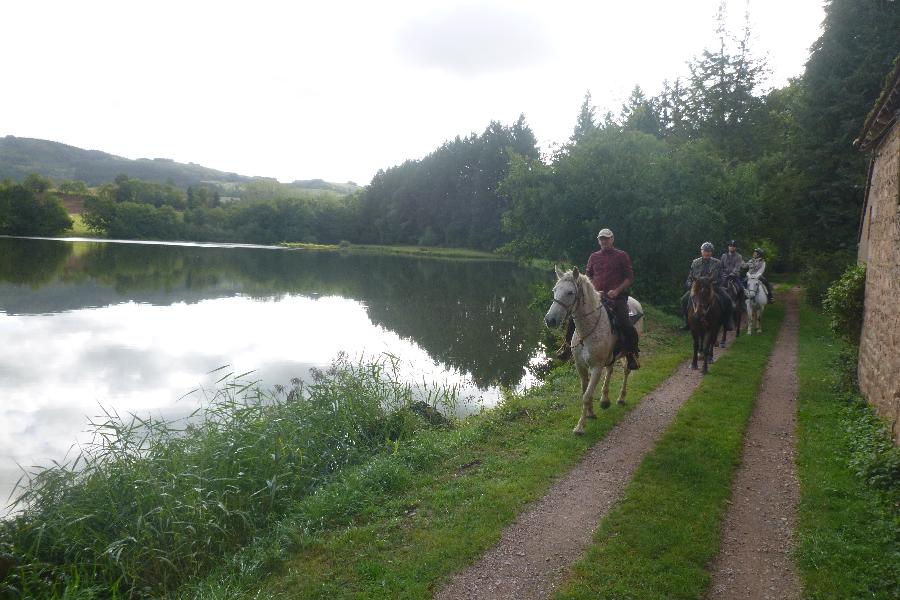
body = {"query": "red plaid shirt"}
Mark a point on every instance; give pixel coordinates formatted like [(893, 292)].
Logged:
[(608, 269)]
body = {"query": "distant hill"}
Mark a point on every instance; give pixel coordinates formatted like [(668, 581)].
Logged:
[(20, 157)]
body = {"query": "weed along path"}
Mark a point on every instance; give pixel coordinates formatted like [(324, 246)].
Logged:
[(534, 553), (755, 557)]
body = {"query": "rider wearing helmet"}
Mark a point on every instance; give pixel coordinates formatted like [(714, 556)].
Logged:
[(707, 266), (610, 270), (756, 267)]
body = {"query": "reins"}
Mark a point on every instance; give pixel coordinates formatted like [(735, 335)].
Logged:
[(570, 310)]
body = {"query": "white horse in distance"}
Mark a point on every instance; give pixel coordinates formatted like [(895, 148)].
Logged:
[(594, 343), (757, 299)]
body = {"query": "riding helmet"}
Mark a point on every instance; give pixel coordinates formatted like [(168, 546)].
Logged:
[(732, 243), (707, 246), (760, 250)]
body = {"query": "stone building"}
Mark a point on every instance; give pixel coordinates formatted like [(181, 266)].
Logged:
[(879, 248)]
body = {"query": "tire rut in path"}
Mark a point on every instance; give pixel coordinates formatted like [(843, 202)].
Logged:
[(754, 560), (535, 551)]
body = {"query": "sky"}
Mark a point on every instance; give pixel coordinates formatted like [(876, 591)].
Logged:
[(337, 90)]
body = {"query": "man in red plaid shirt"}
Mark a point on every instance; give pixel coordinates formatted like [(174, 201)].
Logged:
[(609, 269)]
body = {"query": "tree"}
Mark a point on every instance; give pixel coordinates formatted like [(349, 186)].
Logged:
[(585, 124), (37, 183), (22, 212), (843, 78)]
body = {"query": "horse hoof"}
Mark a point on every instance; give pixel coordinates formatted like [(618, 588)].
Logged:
[(694, 367), (577, 431), (620, 402), (605, 404), (592, 417), (721, 344)]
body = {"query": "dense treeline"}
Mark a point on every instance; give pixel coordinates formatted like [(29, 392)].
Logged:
[(449, 198), (712, 156)]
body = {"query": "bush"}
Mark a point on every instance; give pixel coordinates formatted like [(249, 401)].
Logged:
[(844, 300)]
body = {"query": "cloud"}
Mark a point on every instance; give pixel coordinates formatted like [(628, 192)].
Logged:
[(472, 40)]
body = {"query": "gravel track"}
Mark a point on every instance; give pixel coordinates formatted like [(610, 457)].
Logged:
[(535, 552), (754, 560)]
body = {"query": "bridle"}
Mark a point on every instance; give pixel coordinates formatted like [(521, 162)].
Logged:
[(571, 308)]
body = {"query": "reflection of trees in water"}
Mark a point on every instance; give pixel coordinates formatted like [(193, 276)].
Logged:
[(32, 262), (471, 316)]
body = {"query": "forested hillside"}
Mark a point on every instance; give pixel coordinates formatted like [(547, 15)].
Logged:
[(20, 157)]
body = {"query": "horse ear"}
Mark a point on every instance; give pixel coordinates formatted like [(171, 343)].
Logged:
[(575, 272), (559, 272)]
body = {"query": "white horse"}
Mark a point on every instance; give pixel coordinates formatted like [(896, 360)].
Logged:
[(757, 298), (594, 343)]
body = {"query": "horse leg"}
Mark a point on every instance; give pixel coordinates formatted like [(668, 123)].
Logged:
[(749, 318), (621, 399), (724, 335), (759, 318), (604, 393), (587, 400), (696, 347), (583, 373), (705, 348), (737, 322)]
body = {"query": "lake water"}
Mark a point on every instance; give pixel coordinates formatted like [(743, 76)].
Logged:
[(131, 327)]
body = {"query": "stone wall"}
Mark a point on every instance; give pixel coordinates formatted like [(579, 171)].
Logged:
[(879, 348)]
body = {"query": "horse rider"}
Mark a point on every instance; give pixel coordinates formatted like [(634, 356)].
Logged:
[(609, 269), (756, 267), (732, 262), (707, 266)]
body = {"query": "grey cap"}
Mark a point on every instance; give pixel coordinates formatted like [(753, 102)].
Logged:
[(605, 233)]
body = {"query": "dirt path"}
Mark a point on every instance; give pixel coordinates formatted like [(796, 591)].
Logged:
[(534, 552), (754, 560)]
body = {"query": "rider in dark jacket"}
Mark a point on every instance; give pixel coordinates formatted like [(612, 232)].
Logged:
[(707, 266)]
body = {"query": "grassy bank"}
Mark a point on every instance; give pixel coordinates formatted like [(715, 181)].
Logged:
[(420, 251), (657, 542), (151, 505), (347, 470), (399, 525), (848, 533)]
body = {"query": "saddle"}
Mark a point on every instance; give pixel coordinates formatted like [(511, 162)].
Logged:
[(614, 323)]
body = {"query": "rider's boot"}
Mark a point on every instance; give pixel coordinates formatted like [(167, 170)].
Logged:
[(633, 364), (565, 353)]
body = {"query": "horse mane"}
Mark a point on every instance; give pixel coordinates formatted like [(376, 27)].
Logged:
[(587, 287)]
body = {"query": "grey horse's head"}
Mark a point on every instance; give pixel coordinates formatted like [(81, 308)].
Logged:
[(566, 295)]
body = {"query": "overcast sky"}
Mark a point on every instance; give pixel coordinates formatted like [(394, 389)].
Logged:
[(338, 89)]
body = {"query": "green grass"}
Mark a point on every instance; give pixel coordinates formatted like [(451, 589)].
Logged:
[(78, 229), (848, 527), (421, 251), (399, 526), (657, 542), (151, 505)]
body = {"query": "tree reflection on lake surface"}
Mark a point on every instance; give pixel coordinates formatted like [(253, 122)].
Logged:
[(133, 327)]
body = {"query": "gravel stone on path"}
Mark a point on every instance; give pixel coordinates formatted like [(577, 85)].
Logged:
[(535, 552), (754, 560)]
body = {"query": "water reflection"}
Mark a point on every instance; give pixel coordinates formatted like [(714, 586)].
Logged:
[(134, 327)]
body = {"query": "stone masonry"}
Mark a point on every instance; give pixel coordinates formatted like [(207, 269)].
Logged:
[(879, 348)]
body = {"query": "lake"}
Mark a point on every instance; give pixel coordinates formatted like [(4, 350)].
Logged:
[(88, 327)]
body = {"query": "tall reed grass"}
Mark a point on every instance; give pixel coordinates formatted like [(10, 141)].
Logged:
[(151, 504)]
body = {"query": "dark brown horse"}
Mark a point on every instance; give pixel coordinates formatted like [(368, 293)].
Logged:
[(735, 292), (704, 319)]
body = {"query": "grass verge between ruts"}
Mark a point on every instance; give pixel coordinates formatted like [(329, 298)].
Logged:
[(847, 533), (658, 541), (400, 526)]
